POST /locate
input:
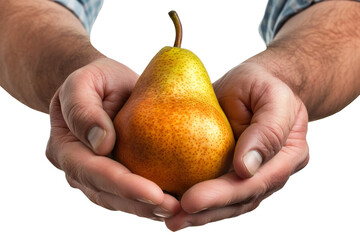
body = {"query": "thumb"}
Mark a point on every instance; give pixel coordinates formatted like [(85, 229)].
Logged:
[(81, 98), (271, 123)]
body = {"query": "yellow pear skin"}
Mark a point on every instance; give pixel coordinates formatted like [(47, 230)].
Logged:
[(172, 129)]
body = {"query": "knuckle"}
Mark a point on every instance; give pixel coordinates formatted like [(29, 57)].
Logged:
[(204, 219), (304, 162), (55, 105), (76, 115), (251, 198), (49, 153), (73, 170), (99, 199), (76, 80), (75, 99), (244, 208), (272, 138), (68, 167), (272, 184), (139, 211), (96, 198), (72, 182), (250, 207)]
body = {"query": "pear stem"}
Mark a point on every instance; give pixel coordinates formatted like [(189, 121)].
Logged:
[(178, 28)]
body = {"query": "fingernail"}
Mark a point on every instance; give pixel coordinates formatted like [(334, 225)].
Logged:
[(96, 136), (160, 212), (158, 219), (252, 161), (145, 201), (184, 225), (203, 209)]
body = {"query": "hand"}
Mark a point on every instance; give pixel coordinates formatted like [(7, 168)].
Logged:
[(82, 134), (270, 124)]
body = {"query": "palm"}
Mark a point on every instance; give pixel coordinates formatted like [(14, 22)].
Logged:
[(254, 102), (92, 96)]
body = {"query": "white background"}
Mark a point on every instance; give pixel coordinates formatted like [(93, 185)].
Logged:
[(320, 202)]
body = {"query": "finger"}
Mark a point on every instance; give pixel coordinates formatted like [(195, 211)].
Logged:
[(183, 219), (82, 108), (115, 203), (90, 97), (58, 128), (274, 115), (104, 174), (237, 112), (231, 189), (169, 207)]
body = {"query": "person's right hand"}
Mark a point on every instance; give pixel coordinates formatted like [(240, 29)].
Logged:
[(82, 138)]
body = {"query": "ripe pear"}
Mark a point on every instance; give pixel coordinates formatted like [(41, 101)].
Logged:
[(172, 129)]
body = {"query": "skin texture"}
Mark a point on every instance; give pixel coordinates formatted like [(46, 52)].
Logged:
[(62, 74), (32, 69), (264, 121), (172, 129), (308, 70), (102, 86), (321, 72)]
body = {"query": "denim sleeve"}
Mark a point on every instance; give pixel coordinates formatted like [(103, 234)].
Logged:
[(278, 12), (85, 10)]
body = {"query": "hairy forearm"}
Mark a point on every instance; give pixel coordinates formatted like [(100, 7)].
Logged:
[(317, 54), (41, 43)]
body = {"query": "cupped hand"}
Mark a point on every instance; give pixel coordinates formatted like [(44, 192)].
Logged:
[(270, 123), (82, 138)]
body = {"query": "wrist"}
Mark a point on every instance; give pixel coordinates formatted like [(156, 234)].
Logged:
[(38, 51), (272, 61), (57, 65), (314, 53)]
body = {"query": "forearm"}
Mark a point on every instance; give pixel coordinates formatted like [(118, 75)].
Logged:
[(317, 54), (41, 43)]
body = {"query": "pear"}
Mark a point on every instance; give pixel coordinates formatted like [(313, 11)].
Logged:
[(172, 129)]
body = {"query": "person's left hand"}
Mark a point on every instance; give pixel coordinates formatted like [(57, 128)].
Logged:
[(270, 124)]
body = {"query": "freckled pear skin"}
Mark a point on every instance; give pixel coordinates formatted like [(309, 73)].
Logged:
[(172, 129)]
